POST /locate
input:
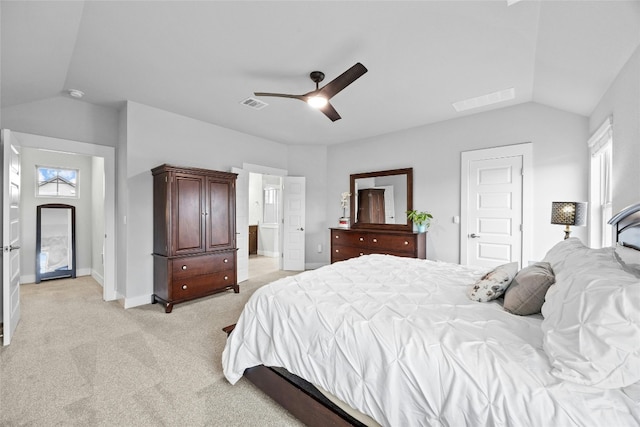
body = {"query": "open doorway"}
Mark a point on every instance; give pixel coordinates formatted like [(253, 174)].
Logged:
[(265, 223), (101, 203)]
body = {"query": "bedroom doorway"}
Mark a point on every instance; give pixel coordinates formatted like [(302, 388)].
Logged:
[(495, 205), (105, 156)]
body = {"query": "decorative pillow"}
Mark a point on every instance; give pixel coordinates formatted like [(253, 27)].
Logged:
[(629, 259), (525, 295), (591, 323), (493, 284), (571, 255)]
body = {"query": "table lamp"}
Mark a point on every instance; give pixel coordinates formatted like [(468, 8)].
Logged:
[(568, 214)]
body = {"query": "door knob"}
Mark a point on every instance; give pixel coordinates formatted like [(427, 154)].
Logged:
[(474, 236)]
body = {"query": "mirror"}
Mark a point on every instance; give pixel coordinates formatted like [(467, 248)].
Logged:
[(381, 199), (55, 242)]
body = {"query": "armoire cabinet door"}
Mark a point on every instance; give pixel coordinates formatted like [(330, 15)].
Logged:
[(220, 225), (188, 214)]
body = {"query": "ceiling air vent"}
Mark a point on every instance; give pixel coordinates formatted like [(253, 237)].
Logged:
[(484, 100), (254, 103)]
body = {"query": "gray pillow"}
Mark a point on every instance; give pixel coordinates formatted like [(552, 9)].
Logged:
[(493, 284), (526, 294)]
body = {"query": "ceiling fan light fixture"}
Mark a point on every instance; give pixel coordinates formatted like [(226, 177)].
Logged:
[(317, 101)]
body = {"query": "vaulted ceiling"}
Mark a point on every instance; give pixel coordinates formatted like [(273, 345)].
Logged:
[(201, 59)]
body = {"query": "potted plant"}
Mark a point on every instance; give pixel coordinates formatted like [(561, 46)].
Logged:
[(421, 219)]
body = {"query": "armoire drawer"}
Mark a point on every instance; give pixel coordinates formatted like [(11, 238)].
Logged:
[(199, 265), (194, 286)]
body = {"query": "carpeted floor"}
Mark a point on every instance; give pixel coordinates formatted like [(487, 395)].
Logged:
[(77, 360)]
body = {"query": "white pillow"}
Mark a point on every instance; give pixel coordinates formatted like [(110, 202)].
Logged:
[(493, 284), (571, 255), (591, 321)]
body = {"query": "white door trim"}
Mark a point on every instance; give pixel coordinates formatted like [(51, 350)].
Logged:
[(108, 154), (526, 151)]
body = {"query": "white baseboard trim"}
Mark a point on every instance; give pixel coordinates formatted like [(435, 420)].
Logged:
[(97, 277), (270, 254), (138, 301), (31, 278)]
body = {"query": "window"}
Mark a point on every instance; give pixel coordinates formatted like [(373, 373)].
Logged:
[(56, 182), (271, 205), (600, 191)]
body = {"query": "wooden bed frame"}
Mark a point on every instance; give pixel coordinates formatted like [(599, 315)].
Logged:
[(299, 397), (310, 406)]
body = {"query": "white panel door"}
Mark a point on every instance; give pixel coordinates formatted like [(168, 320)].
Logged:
[(494, 211), (242, 224), (294, 222), (10, 235)]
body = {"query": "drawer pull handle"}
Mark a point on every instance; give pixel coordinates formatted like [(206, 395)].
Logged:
[(226, 277), (225, 261), (184, 267), (337, 237), (362, 239), (406, 243), (361, 253), (375, 240), (184, 286), (337, 250)]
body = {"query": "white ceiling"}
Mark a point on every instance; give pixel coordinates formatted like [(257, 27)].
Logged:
[(202, 58)]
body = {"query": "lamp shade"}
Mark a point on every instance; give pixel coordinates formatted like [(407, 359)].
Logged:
[(569, 213)]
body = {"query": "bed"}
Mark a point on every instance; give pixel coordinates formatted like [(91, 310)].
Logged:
[(396, 341)]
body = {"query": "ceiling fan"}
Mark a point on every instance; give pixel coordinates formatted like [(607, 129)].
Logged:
[(320, 97)]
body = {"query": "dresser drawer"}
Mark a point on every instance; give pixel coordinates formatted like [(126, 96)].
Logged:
[(341, 252), (199, 265), (391, 242), (191, 287), (348, 238)]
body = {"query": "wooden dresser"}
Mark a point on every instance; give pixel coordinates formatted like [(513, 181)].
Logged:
[(194, 233), (351, 243)]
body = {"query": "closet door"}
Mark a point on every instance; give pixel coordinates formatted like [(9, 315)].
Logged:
[(188, 214), (220, 214)]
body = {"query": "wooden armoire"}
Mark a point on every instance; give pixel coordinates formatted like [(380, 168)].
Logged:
[(194, 233)]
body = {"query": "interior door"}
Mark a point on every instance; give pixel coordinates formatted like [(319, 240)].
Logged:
[(293, 249), (10, 234), (242, 223), (494, 211)]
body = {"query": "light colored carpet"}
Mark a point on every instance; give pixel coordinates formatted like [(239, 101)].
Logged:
[(77, 360)]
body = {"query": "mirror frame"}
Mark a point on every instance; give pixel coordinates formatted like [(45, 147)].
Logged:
[(61, 273), (352, 201)]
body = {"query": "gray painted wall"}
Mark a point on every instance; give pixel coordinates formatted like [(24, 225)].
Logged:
[(622, 101), (560, 162)]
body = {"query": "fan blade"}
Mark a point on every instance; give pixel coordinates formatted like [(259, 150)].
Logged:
[(342, 81), (280, 95), (330, 112)]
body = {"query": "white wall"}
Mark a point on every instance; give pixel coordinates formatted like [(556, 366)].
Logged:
[(154, 137), (97, 219), (66, 118), (28, 203), (622, 102), (560, 163), (311, 162)]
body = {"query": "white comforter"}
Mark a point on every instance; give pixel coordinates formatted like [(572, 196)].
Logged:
[(397, 339)]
